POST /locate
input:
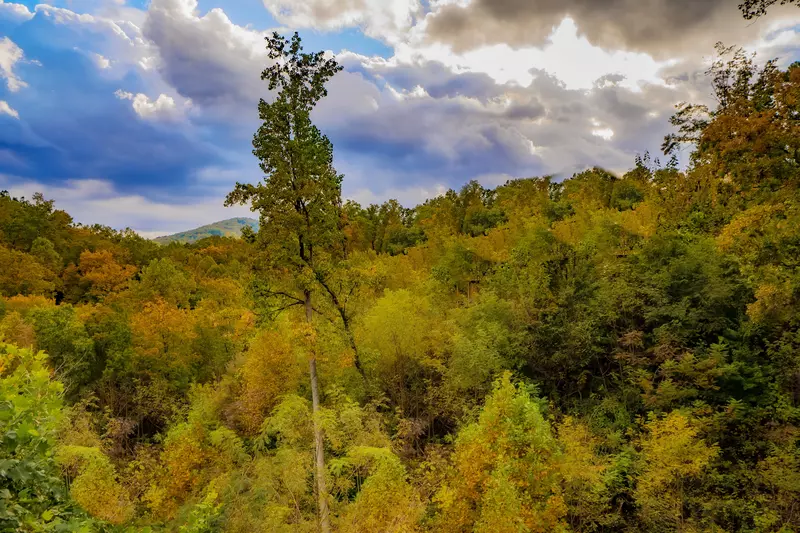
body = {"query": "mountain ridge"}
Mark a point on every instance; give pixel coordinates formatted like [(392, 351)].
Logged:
[(230, 227)]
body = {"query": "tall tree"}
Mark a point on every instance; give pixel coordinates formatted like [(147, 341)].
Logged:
[(300, 198)]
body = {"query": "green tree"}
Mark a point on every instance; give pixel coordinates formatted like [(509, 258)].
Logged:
[(672, 456), (164, 278), (44, 251), (300, 199), (32, 495), (505, 475), (63, 336)]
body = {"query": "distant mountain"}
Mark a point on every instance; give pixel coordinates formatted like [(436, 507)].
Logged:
[(227, 228)]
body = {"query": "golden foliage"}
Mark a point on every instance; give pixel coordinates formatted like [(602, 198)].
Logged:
[(162, 336), (104, 273), (15, 330), (181, 460), (386, 503), (270, 369), (95, 486), (642, 220), (672, 455), (505, 471), (23, 303), (21, 273)]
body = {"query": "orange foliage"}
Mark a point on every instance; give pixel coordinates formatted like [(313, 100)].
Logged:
[(182, 460), (25, 303), (15, 330), (162, 336), (105, 274)]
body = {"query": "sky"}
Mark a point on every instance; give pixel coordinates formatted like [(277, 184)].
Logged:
[(140, 113)]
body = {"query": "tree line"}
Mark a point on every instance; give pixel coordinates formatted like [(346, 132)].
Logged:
[(600, 353)]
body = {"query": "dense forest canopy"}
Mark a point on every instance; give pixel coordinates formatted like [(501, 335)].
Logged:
[(600, 353)]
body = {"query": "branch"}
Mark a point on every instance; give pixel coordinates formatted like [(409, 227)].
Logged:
[(285, 295)]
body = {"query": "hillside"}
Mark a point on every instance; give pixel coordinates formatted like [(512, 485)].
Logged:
[(231, 227), (604, 353)]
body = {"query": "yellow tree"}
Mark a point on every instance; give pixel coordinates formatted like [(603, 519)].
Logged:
[(104, 273), (672, 456), (162, 337), (21, 273), (270, 369), (505, 476)]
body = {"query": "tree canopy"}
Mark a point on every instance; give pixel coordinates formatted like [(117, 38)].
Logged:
[(597, 353)]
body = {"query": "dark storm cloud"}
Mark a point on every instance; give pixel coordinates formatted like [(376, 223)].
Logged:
[(525, 111), (439, 81), (661, 28)]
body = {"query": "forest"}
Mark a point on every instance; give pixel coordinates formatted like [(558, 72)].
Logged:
[(598, 353)]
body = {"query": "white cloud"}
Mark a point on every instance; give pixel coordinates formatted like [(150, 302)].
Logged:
[(14, 12), (519, 115), (411, 125), (123, 39), (162, 108), (8, 110), (408, 197), (100, 61), (780, 36), (387, 20), (603, 133), (10, 55), (93, 201), (65, 16), (567, 55)]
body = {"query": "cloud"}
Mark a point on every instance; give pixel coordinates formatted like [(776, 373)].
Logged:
[(122, 131), (423, 122), (397, 124), (101, 61), (10, 55), (123, 30), (432, 114), (568, 55), (208, 59), (428, 114), (162, 108), (408, 197), (386, 20), (93, 201), (72, 126), (439, 79), (661, 28), (8, 110), (603, 133), (12, 12), (415, 195), (121, 39)]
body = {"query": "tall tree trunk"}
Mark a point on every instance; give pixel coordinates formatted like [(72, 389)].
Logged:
[(351, 339), (319, 455)]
